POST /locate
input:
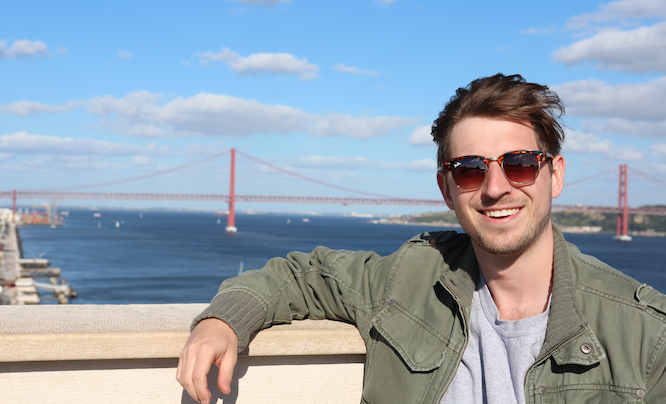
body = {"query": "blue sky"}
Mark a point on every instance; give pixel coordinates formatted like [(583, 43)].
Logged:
[(343, 91)]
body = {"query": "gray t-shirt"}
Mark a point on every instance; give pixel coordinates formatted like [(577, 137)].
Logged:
[(498, 354)]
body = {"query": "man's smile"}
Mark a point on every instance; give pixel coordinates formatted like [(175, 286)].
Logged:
[(497, 213)]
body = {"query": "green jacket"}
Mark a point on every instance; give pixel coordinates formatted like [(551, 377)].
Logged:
[(604, 340)]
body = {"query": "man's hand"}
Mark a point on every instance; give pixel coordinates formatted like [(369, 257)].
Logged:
[(211, 341)]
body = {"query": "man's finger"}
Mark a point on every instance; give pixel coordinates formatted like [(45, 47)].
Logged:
[(226, 372), (200, 377), (184, 374)]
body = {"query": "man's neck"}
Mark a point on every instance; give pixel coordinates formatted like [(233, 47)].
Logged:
[(520, 283)]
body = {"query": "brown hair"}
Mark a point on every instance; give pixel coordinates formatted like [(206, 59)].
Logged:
[(509, 98)]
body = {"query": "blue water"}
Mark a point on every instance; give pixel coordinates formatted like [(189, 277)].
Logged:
[(176, 257)]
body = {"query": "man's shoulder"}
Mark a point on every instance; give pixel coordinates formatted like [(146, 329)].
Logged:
[(450, 246), (441, 238), (596, 278)]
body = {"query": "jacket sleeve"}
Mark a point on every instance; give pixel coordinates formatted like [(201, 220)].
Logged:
[(324, 284)]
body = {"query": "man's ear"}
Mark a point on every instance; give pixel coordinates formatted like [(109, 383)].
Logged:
[(557, 176), (444, 188)]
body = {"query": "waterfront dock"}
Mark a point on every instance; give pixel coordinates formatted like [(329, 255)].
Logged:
[(10, 269), (16, 273)]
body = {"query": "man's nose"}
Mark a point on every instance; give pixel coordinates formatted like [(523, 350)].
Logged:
[(496, 184)]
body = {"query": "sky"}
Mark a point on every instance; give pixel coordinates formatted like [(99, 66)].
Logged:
[(342, 91)]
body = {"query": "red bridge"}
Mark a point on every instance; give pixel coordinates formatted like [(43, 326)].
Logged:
[(216, 178)]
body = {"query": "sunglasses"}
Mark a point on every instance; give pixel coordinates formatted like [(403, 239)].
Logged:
[(520, 167)]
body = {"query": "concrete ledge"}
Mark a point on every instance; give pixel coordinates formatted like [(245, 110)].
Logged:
[(129, 354)]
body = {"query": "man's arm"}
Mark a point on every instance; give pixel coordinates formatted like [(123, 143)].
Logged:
[(211, 341), (323, 284)]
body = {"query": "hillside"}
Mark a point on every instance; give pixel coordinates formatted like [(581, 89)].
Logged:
[(588, 222)]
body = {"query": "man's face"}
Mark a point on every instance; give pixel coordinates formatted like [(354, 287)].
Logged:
[(501, 219)]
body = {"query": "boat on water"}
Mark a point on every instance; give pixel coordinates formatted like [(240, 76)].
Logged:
[(622, 237)]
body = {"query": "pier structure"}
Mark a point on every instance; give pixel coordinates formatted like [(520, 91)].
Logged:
[(10, 269), (129, 354), (16, 274)]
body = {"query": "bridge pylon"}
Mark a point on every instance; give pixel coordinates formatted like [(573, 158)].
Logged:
[(231, 216), (623, 215)]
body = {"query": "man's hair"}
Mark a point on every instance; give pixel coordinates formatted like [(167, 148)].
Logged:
[(503, 97)]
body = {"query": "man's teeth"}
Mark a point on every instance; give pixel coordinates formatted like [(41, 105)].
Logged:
[(500, 213)]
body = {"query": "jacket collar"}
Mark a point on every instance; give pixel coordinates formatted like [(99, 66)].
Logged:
[(565, 318), (568, 335)]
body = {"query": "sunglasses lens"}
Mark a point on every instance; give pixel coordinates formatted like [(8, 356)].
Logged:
[(521, 168), (469, 173)]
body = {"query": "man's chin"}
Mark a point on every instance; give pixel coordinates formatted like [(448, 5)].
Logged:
[(504, 247)]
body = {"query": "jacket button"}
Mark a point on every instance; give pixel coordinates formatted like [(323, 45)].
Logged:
[(392, 303), (640, 393), (542, 390), (586, 348)]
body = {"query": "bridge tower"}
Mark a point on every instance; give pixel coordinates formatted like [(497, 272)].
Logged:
[(231, 217), (14, 206), (623, 215)]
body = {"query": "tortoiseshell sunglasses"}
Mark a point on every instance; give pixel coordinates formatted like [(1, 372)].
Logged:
[(520, 167)]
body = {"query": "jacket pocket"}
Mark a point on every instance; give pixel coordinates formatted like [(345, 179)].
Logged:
[(420, 347), (404, 360), (389, 380), (586, 397)]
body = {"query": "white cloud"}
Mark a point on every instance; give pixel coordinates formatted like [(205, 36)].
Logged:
[(26, 108), (25, 143), (143, 114), (140, 114), (48, 163), (577, 142), (384, 2), (353, 163), (197, 149), (23, 48), (355, 70), (361, 127), (655, 129), (142, 161), (637, 50), (62, 51), (262, 63), (422, 136), (659, 150), (124, 54), (550, 29), (633, 109), (333, 162), (593, 98), (621, 10)]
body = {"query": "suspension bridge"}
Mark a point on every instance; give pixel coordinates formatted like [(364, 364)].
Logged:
[(233, 176)]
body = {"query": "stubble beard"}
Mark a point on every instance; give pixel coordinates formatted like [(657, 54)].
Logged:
[(502, 244)]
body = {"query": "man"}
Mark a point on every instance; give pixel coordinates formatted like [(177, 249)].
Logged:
[(506, 313)]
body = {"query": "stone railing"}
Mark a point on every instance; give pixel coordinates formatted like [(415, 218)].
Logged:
[(129, 353)]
